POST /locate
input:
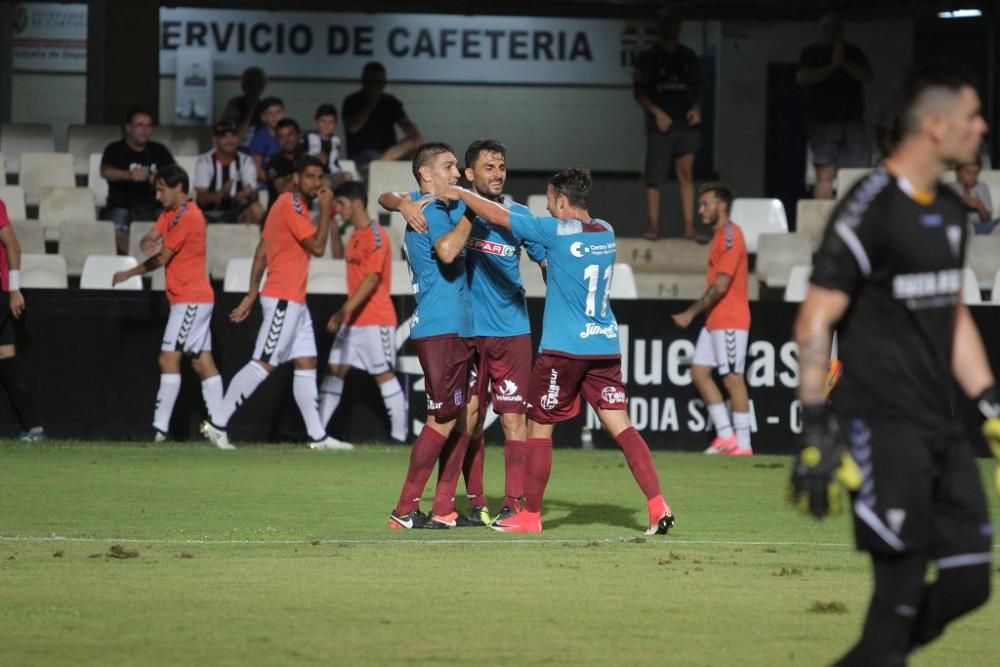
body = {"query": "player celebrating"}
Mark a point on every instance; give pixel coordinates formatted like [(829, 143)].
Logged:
[(579, 352), (889, 271), (180, 230), (722, 343), (288, 239), (12, 305), (366, 324), (442, 332)]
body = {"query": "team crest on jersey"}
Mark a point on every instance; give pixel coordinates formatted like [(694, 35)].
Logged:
[(490, 247)]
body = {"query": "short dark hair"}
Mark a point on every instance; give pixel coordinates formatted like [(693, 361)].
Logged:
[(173, 175), (721, 191), (573, 183), (370, 67), (426, 153), (269, 102), (922, 81), (325, 110), (132, 113), (287, 122), (483, 145), (352, 190), (307, 161)]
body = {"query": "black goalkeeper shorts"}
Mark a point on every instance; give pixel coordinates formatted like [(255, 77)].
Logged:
[(6, 320)]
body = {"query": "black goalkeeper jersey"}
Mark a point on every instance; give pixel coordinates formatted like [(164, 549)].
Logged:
[(901, 264)]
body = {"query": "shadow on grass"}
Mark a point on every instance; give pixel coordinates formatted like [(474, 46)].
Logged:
[(581, 514)]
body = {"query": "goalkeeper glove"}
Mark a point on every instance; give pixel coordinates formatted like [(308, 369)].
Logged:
[(822, 465), (989, 405)]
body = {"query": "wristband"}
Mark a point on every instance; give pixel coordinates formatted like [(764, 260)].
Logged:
[(989, 403), (13, 280)]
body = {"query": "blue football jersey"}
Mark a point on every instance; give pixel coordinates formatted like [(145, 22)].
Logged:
[(580, 260), (441, 290), (493, 260)]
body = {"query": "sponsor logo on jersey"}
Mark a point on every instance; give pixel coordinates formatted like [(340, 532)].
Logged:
[(551, 397), (490, 247), (895, 517), (928, 284), (613, 395), (609, 331), (508, 392)]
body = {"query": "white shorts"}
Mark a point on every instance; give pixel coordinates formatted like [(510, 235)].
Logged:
[(189, 329), (370, 348), (725, 349), (285, 333)]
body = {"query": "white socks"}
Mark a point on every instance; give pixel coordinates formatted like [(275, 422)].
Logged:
[(307, 398), (741, 420), (331, 390), (392, 396), (720, 417), (211, 391), (166, 397), (241, 386)]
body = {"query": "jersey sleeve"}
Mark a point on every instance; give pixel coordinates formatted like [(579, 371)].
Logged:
[(844, 259), (529, 228), (438, 220), (536, 252), (301, 227), (732, 251)]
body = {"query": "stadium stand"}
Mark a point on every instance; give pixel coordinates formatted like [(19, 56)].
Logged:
[(349, 167), (225, 242), (237, 277), (623, 283), (327, 276), (30, 236), (84, 140), (97, 184), (757, 216), (778, 253), (990, 178), (136, 231), (388, 176), (846, 178), (43, 271), (42, 170), (970, 288), (401, 285), (13, 198), (811, 216), (183, 139), (16, 139), (798, 283), (531, 277), (98, 271), (995, 292), (80, 240), (983, 257), (186, 162), (538, 204), (397, 232)]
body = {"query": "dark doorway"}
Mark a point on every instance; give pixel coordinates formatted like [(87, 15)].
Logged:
[(785, 139)]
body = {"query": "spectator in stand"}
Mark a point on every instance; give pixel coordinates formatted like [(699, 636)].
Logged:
[(668, 88), (325, 144), (833, 72), (244, 110), (282, 165), (129, 166), (975, 197), (370, 120), (225, 180), (264, 144)]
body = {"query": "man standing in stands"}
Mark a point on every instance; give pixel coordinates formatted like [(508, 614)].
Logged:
[(370, 119), (242, 110), (225, 180), (11, 307), (722, 343), (177, 243), (129, 166), (286, 333)]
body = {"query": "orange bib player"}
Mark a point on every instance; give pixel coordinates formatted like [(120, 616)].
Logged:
[(366, 323), (287, 242), (722, 342), (177, 243)]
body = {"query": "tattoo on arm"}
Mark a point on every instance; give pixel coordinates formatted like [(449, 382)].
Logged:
[(707, 300), (814, 358), (152, 264)]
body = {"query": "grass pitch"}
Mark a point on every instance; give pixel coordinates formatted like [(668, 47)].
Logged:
[(181, 554)]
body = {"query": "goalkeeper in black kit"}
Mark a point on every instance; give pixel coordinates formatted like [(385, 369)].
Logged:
[(888, 276)]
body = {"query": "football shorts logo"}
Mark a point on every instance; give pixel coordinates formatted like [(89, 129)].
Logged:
[(550, 399), (431, 405), (508, 391), (613, 395)]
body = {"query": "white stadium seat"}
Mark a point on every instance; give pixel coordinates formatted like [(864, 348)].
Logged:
[(970, 288), (995, 292), (397, 233), (663, 255), (238, 275), (758, 216), (388, 176), (59, 204), (3, 170), (538, 205), (98, 270), (43, 271), (83, 140), (13, 199), (79, 240), (664, 285), (136, 231), (531, 277), (778, 253), (327, 276), (181, 139), (187, 162), (17, 139), (798, 283), (623, 283), (811, 216), (95, 181), (983, 257), (45, 170), (846, 178), (30, 236), (350, 167), (225, 242), (400, 284)]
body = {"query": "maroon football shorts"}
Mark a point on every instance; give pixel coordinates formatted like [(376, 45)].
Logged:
[(449, 372), (558, 382), (504, 368)]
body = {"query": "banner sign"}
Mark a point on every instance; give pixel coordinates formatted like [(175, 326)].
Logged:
[(50, 37), (413, 47)]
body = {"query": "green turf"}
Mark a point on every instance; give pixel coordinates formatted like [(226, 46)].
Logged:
[(277, 555)]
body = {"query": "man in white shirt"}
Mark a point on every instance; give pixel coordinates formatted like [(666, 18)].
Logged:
[(225, 180)]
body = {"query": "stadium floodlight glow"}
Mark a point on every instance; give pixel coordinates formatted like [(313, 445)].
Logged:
[(960, 14)]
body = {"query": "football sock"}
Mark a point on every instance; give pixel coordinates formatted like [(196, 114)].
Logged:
[(423, 454), (720, 417), (741, 422), (20, 395), (330, 392), (243, 384), (166, 397), (472, 470), (537, 467), (449, 471), (307, 398), (395, 405), (211, 391), (640, 462), (956, 591), (513, 459)]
